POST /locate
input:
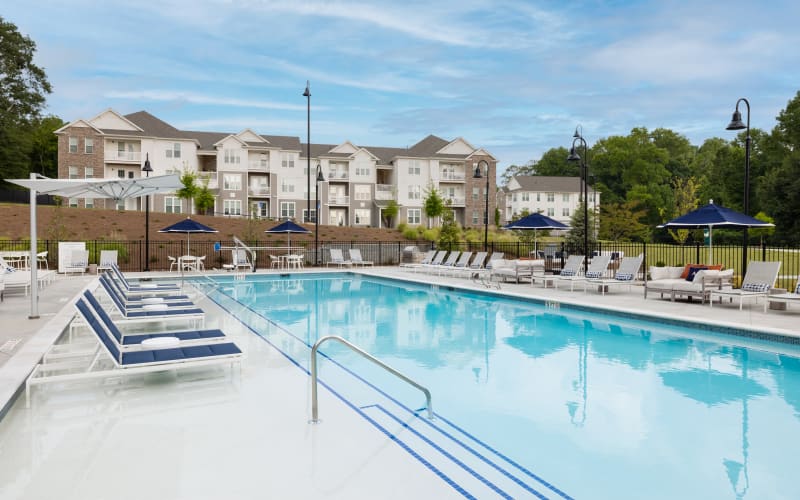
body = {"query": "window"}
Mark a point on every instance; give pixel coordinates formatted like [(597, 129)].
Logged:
[(362, 170), (551, 197), (476, 193), (232, 182), (565, 212), (476, 216), (414, 215), (287, 187), (232, 157), (73, 144), (287, 160), (551, 212), (259, 209), (88, 145), (88, 203), (313, 216), (73, 202), (414, 168), (287, 209), (414, 193), (526, 197), (591, 197), (565, 197), (362, 192), (172, 205), (88, 172), (73, 172), (175, 152), (538, 196), (232, 207), (121, 173), (514, 197), (362, 216)]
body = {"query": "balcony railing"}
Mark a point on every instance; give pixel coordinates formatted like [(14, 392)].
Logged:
[(384, 192), (455, 202), (258, 191), (339, 200), (338, 176), (260, 165), (112, 155), (452, 176)]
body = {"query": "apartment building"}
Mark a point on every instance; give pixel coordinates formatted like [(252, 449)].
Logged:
[(267, 176), (556, 197)]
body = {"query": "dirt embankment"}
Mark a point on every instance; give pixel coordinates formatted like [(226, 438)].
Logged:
[(96, 224)]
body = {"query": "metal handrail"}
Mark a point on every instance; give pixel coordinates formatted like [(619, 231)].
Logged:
[(314, 408)]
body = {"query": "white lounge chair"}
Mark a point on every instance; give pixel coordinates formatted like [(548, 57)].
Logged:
[(448, 263), (757, 282), (355, 258), (78, 262), (495, 257), (461, 264), (108, 258), (337, 258), (572, 275), (625, 276), (435, 261), (156, 354), (784, 298)]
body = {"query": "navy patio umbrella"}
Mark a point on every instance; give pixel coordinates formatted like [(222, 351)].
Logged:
[(535, 222), (288, 227), (712, 216), (188, 226)]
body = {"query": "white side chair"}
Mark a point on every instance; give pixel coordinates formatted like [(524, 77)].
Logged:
[(173, 262)]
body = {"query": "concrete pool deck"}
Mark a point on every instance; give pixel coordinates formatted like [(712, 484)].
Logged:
[(216, 433)]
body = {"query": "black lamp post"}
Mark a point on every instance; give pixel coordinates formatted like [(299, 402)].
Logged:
[(737, 124), (574, 156), (320, 178), (307, 95), (478, 175), (147, 169)]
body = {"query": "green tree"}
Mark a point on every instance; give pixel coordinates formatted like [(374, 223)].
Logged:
[(764, 231), (554, 162), (685, 201), (44, 145), (623, 222), (450, 232), (389, 212), (574, 237), (204, 198), (23, 87), (433, 205), (189, 190)]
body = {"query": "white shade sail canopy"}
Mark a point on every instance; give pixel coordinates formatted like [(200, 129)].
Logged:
[(115, 189)]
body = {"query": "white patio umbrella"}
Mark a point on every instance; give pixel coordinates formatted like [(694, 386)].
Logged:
[(115, 189)]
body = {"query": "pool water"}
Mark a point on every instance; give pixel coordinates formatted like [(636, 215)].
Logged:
[(599, 405)]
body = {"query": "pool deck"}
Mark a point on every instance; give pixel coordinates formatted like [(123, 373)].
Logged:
[(237, 433)]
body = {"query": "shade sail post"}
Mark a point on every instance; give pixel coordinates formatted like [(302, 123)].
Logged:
[(32, 258)]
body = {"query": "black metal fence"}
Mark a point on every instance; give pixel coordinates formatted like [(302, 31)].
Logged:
[(131, 254)]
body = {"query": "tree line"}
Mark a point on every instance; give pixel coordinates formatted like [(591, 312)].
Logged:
[(651, 176)]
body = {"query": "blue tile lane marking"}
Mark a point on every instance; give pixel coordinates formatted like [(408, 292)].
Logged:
[(388, 434), (464, 466)]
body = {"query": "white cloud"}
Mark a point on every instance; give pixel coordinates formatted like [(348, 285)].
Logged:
[(194, 98)]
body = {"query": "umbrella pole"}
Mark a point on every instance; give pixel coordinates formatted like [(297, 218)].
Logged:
[(710, 246)]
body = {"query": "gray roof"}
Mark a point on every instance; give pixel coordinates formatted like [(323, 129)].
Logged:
[(428, 146), (547, 183)]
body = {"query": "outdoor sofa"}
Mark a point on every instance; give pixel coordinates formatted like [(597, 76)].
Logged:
[(687, 281)]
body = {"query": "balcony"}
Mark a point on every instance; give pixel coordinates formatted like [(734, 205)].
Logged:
[(454, 202), (260, 165), (339, 175), (260, 190), (123, 156), (384, 192), (339, 200), (451, 177)]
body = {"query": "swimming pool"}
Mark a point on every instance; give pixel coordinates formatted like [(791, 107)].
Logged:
[(570, 402)]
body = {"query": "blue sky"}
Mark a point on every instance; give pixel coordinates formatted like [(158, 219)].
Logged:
[(515, 77)]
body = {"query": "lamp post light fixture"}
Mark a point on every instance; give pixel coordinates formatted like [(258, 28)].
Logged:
[(320, 178), (307, 95), (478, 174), (574, 156), (737, 124), (147, 169)]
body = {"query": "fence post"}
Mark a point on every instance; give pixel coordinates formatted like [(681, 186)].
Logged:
[(697, 252), (644, 261), (763, 250)]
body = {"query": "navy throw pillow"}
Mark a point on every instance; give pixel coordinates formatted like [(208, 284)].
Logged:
[(692, 271)]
